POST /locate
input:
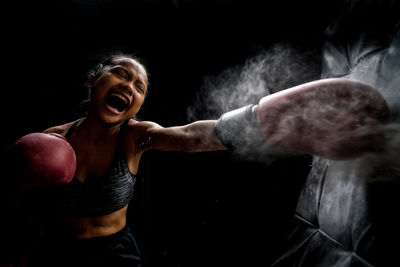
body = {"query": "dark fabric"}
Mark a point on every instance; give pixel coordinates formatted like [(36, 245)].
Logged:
[(347, 211), (72, 128), (99, 196), (119, 250)]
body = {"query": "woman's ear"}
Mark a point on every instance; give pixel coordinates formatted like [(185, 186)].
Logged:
[(90, 81)]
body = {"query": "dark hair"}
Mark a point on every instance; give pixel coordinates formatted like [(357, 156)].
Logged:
[(109, 60)]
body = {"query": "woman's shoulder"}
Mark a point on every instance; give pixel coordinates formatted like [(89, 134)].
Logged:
[(59, 129), (142, 125), (138, 132)]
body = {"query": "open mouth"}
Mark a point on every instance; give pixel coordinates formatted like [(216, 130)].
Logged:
[(118, 102)]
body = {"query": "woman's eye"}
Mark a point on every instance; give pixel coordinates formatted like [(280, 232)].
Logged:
[(140, 89), (121, 73)]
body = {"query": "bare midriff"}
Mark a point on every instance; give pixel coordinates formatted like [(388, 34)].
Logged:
[(97, 226)]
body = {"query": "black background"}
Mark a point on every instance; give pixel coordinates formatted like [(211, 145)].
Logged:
[(204, 209)]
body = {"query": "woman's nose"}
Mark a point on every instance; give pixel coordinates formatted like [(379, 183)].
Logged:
[(128, 87)]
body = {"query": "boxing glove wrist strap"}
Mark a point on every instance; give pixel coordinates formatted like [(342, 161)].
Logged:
[(238, 129)]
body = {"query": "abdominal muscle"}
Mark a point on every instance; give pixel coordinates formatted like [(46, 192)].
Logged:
[(97, 226)]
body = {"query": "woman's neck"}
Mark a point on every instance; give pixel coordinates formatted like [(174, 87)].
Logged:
[(96, 131)]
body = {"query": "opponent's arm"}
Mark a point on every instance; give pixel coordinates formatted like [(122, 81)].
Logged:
[(335, 118)]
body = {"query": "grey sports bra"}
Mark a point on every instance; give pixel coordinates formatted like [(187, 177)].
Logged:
[(101, 196)]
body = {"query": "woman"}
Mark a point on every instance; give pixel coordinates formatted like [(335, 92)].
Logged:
[(109, 144)]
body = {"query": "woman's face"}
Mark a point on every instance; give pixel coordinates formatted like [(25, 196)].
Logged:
[(119, 90)]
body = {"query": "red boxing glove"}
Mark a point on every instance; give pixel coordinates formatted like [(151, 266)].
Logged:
[(43, 160), (335, 118)]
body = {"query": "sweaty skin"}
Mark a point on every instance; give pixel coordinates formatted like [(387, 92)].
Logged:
[(95, 137)]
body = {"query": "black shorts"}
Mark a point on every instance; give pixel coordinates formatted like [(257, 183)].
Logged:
[(119, 249)]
